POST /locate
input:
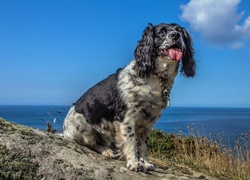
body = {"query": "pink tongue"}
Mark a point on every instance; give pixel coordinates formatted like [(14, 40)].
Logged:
[(175, 53)]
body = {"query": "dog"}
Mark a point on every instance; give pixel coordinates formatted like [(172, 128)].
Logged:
[(115, 116)]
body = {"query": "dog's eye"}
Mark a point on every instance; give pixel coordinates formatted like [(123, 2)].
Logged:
[(179, 29), (162, 32)]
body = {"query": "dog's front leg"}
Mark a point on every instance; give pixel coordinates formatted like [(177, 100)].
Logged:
[(130, 143), (143, 149)]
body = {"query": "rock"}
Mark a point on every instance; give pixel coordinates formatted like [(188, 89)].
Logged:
[(26, 153)]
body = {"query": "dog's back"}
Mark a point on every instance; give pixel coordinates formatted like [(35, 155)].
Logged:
[(98, 102)]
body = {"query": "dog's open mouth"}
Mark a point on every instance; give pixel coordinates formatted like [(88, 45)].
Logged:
[(174, 53)]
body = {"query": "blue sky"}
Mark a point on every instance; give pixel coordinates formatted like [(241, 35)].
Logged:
[(51, 52)]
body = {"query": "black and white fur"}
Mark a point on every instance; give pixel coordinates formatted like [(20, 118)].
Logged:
[(115, 116)]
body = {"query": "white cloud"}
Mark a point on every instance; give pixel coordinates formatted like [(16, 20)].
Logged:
[(236, 45), (217, 20), (245, 28)]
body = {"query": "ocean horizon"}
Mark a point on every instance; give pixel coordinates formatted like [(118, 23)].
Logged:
[(212, 122)]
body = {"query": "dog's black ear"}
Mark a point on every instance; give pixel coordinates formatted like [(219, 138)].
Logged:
[(188, 62), (143, 53)]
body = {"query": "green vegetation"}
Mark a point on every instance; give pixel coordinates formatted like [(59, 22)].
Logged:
[(201, 154), (15, 165)]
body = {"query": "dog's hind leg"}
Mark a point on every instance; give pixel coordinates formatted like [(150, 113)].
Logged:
[(77, 129)]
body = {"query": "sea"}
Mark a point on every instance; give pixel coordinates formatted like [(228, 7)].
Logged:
[(229, 125)]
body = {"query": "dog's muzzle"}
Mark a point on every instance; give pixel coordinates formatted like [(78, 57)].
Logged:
[(173, 53), (172, 46)]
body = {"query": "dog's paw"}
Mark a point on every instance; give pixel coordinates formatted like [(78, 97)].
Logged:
[(108, 153), (142, 166), (136, 166), (149, 166)]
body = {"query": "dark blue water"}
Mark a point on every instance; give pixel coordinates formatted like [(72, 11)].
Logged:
[(205, 120), (35, 116), (209, 122)]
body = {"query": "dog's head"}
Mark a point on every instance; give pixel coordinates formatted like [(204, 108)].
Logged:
[(170, 41)]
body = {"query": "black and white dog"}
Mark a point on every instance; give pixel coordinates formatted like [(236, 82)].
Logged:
[(115, 116)]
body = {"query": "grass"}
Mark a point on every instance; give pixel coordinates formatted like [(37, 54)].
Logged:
[(52, 124), (202, 154)]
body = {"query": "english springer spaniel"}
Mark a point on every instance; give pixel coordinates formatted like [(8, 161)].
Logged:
[(115, 116)]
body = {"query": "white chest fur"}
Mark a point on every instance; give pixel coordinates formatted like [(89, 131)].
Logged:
[(152, 92)]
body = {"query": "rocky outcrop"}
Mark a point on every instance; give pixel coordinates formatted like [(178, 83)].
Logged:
[(27, 153)]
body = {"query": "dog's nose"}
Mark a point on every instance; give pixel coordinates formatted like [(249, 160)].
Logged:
[(175, 35)]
